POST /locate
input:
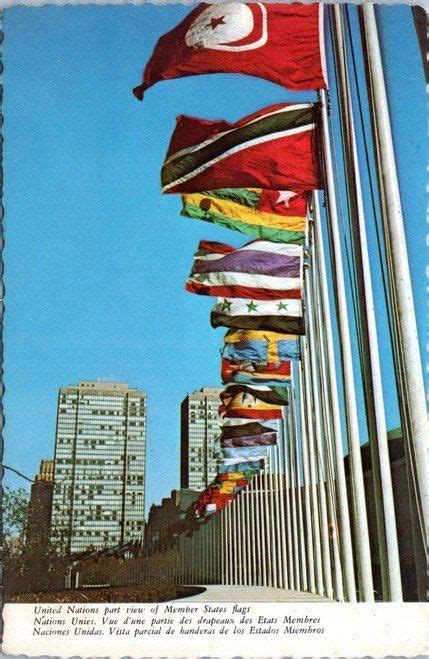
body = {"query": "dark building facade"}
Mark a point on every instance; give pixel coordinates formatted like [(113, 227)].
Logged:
[(403, 515), (40, 508), (170, 511)]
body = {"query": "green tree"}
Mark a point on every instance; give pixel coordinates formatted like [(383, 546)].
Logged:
[(15, 514)]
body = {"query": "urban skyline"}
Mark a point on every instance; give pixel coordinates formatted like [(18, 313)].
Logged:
[(63, 490)]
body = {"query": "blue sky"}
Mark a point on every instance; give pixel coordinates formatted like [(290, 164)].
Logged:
[(96, 258)]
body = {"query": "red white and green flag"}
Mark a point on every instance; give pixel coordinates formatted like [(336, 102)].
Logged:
[(283, 316), (279, 42), (275, 148)]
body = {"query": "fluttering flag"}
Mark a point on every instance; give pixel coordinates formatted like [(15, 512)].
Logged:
[(247, 406), (278, 42), (279, 316), (211, 500), (226, 423), (247, 468), (272, 395), (276, 215), (274, 148), (277, 373), (228, 487), (263, 439), (231, 476), (243, 452), (261, 270), (260, 346), (249, 428)]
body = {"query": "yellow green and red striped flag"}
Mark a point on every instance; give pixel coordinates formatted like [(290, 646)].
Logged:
[(276, 215)]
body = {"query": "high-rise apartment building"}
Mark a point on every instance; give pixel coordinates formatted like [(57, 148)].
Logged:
[(100, 465), (199, 429)]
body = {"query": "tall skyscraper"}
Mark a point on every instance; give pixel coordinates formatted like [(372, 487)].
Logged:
[(100, 465), (199, 429)]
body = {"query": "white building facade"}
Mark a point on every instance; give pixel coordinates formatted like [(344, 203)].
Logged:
[(199, 430), (100, 466)]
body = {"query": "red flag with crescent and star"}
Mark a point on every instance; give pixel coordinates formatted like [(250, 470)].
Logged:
[(282, 43)]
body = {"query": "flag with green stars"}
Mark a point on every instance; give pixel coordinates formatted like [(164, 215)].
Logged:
[(276, 316)]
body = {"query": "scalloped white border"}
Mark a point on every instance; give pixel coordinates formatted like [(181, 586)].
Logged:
[(5, 4)]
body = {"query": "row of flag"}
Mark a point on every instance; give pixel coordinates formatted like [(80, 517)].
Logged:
[(254, 176)]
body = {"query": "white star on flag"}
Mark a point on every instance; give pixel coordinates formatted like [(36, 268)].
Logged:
[(285, 196)]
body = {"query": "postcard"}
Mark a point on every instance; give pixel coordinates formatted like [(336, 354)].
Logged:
[(215, 426)]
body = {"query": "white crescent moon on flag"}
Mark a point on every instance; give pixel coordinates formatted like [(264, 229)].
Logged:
[(233, 27)]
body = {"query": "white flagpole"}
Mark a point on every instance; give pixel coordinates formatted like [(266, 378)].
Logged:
[(250, 512), (322, 490), (360, 516), (224, 541), (282, 467), (309, 410), (275, 453), (272, 518), (255, 501), (285, 414), (412, 404), (320, 330), (384, 504), (268, 524), (294, 490), (345, 533), (298, 461), (242, 538), (306, 481), (263, 529)]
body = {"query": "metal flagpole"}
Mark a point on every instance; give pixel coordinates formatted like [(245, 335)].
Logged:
[(242, 534), (221, 535), (249, 543), (224, 543), (255, 503), (272, 519), (320, 329), (246, 547), (318, 434), (291, 441), (312, 466), (345, 531), (384, 504), (268, 525), (282, 467), (412, 403), (262, 527), (275, 452), (228, 546), (285, 414), (360, 516), (302, 552), (253, 539), (239, 531), (234, 546), (306, 482)]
